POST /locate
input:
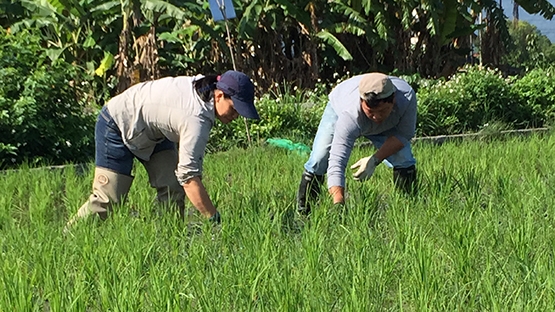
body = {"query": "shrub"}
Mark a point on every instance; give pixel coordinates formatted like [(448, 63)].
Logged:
[(536, 90), (289, 115), (41, 114), (466, 102)]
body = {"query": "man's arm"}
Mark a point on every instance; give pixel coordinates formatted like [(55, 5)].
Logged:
[(338, 194), (199, 197), (346, 132), (391, 146)]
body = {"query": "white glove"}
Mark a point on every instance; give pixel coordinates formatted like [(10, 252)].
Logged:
[(366, 167)]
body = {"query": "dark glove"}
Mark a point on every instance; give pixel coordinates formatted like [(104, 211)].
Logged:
[(215, 218)]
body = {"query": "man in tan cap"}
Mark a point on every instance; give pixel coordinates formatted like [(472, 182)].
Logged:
[(379, 107)]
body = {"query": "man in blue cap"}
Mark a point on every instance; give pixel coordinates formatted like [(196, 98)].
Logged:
[(146, 121), (376, 106)]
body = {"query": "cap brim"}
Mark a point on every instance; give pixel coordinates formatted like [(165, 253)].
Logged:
[(245, 109)]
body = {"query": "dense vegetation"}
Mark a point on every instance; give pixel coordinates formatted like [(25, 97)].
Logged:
[(46, 109), (43, 116), (291, 41), (61, 60)]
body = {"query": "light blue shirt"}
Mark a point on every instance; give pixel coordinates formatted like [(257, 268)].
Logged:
[(352, 123)]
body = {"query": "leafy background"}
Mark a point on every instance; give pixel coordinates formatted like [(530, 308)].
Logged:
[(61, 60)]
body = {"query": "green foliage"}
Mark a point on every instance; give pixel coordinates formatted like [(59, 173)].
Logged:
[(42, 108), (41, 114), (468, 101), (297, 41), (536, 91), (287, 116), (544, 8), (416, 81), (529, 48), (188, 37)]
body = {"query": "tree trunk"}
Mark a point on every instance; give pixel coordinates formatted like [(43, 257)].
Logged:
[(491, 44), (515, 13), (313, 45), (124, 71), (146, 55)]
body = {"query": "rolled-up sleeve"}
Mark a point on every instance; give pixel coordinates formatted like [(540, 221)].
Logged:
[(193, 137)]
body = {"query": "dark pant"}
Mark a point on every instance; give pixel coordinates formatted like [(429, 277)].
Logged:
[(111, 153)]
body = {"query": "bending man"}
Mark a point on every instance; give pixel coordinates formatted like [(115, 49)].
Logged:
[(379, 107), (146, 121)]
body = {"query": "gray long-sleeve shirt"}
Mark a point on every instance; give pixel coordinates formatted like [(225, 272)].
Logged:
[(149, 112), (353, 123)]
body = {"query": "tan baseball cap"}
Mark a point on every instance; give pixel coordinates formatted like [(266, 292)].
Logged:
[(377, 83)]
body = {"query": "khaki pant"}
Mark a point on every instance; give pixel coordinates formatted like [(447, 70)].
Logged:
[(111, 188), (161, 176)]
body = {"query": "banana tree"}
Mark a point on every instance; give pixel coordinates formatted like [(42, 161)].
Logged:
[(406, 35), (100, 34), (541, 7), (78, 31), (192, 42), (272, 36), (445, 36), (11, 11), (148, 24), (284, 40)]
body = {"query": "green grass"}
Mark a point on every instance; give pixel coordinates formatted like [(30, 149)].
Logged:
[(478, 237)]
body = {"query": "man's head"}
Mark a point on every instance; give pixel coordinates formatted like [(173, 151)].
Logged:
[(234, 95), (377, 96)]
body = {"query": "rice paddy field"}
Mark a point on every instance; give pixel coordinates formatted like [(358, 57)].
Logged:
[(479, 236)]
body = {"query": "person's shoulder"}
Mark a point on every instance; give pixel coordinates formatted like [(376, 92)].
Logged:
[(400, 82), (402, 86), (196, 77), (347, 86), (351, 80), (179, 82), (184, 78), (178, 78)]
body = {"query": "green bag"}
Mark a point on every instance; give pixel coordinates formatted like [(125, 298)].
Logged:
[(300, 148)]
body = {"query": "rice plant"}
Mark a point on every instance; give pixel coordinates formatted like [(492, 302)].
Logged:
[(477, 237)]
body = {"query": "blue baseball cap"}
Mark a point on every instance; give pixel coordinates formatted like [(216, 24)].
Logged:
[(241, 90)]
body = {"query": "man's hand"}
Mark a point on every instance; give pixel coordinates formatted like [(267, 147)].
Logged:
[(215, 218), (366, 167), (338, 194)]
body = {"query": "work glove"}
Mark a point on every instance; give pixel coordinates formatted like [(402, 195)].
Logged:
[(216, 219), (366, 167)]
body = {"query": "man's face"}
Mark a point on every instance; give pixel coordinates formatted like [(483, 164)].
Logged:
[(378, 113), (225, 111)]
